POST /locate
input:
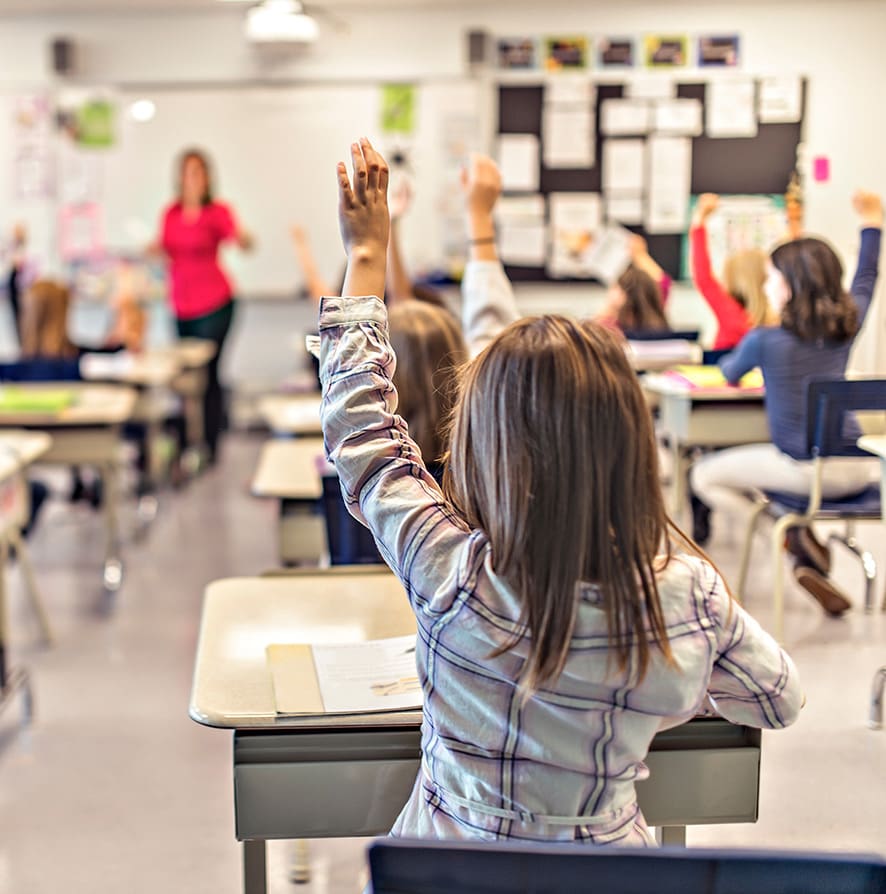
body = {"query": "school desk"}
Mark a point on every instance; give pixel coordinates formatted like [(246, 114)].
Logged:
[(287, 472), (193, 356), (876, 444), (292, 415), (698, 417), (350, 775), (18, 450), (84, 433)]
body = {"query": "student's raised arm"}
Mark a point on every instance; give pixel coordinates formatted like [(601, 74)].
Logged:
[(315, 283), (399, 282), (869, 207), (383, 479), (488, 304)]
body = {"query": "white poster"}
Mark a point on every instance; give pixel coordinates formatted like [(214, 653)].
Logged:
[(731, 110), (679, 117), (624, 166), (625, 209), (652, 86), (522, 233), (670, 180), (569, 138), (575, 220), (625, 117), (518, 160), (610, 253), (780, 100)]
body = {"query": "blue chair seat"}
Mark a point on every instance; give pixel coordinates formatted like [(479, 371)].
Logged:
[(867, 504)]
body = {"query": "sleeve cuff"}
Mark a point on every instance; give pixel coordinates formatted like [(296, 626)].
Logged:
[(343, 311)]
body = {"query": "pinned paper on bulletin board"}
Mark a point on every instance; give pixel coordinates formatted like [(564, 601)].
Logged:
[(88, 117), (398, 108), (566, 53), (666, 50)]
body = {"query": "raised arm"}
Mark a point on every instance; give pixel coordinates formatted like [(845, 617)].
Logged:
[(870, 209), (399, 283), (383, 479), (488, 304), (316, 284), (644, 261), (753, 680)]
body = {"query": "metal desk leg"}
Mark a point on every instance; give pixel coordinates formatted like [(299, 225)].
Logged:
[(11, 680), (24, 561), (255, 873), (113, 570), (675, 836)]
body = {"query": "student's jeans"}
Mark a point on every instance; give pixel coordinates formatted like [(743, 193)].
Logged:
[(214, 327)]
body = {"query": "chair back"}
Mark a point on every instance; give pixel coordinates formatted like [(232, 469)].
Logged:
[(350, 543), (662, 334), (41, 369), (400, 866), (830, 429)]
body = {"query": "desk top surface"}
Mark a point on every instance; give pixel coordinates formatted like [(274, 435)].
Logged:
[(297, 414), (19, 448), (192, 353), (287, 469), (875, 444), (666, 386), (93, 405), (232, 685), (150, 369)]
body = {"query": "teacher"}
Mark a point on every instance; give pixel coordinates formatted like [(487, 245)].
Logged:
[(192, 229)]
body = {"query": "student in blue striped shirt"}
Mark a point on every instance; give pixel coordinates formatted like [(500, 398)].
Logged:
[(562, 619)]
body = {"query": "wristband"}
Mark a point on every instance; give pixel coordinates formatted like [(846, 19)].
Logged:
[(486, 240)]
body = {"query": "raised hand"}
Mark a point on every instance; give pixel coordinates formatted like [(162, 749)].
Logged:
[(364, 219), (869, 207), (401, 199), (707, 204), (481, 184)]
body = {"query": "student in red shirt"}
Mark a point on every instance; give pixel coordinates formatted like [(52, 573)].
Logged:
[(739, 304), (191, 230)]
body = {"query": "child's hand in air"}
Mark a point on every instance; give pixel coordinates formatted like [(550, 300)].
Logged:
[(481, 185), (869, 207), (707, 204), (364, 219)]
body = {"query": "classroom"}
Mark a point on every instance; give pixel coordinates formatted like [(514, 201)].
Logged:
[(442, 446)]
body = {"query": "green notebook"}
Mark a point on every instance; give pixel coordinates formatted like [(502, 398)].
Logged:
[(27, 400)]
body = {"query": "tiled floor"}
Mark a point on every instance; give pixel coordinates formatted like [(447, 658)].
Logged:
[(114, 789)]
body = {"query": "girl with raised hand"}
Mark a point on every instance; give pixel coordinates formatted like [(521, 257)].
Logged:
[(559, 628), (818, 322), (739, 303)]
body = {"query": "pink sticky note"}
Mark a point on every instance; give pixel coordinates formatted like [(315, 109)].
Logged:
[(821, 169)]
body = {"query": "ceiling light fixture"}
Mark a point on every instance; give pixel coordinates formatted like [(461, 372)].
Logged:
[(280, 21)]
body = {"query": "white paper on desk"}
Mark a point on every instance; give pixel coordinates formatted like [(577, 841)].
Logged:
[(624, 209), (518, 161), (625, 117), (106, 366), (610, 253), (522, 234), (569, 139), (651, 87), (302, 412), (378, 675), (575, 220), (780, 100), (670, 179), (680, 117), (624, 166), (730, 109)]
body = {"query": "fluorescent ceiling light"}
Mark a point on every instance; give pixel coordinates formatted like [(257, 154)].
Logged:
[(280, 21), (142, 110)]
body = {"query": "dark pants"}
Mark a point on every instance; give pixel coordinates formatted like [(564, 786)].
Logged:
[(214, 327)]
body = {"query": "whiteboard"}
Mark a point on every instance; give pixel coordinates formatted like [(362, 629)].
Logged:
[(274, 151)]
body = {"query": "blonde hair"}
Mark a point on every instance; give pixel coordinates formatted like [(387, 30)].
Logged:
[(45, 321), (430, 348), (744, 274), (553, 456)]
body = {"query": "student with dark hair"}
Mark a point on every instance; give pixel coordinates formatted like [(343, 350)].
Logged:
[(192, 229), (819, 320)]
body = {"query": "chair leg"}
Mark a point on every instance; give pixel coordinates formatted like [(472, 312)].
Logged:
[(748, 546), (868, 564), (27, 569), (779, 529), (875, 720)]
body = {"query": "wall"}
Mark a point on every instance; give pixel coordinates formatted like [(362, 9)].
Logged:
[(837, 44)]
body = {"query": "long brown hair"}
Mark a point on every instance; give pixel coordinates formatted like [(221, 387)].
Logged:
[(819, 307), (45, 321), (643, 308), (202, 158), (743, 275), (430, 349), (553, 456)]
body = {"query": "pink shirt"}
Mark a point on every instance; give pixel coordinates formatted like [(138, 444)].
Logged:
[(198, 285)]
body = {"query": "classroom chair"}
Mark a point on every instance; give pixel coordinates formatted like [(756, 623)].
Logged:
[(828, 402), (875, 721), (691, 335), (41, 370), (400, 866), (350, 543)]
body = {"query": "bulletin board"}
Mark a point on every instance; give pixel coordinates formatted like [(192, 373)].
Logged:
[(761, 164)]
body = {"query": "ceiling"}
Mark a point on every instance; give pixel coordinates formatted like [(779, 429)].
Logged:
[(39, 7)]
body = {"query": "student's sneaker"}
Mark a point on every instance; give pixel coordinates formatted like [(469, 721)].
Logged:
[(825, 593), (801, 543), (701, 520)]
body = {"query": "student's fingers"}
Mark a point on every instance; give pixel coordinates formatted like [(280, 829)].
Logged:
[(373, 166), (361, 174), (346, 195), (464, 177)]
